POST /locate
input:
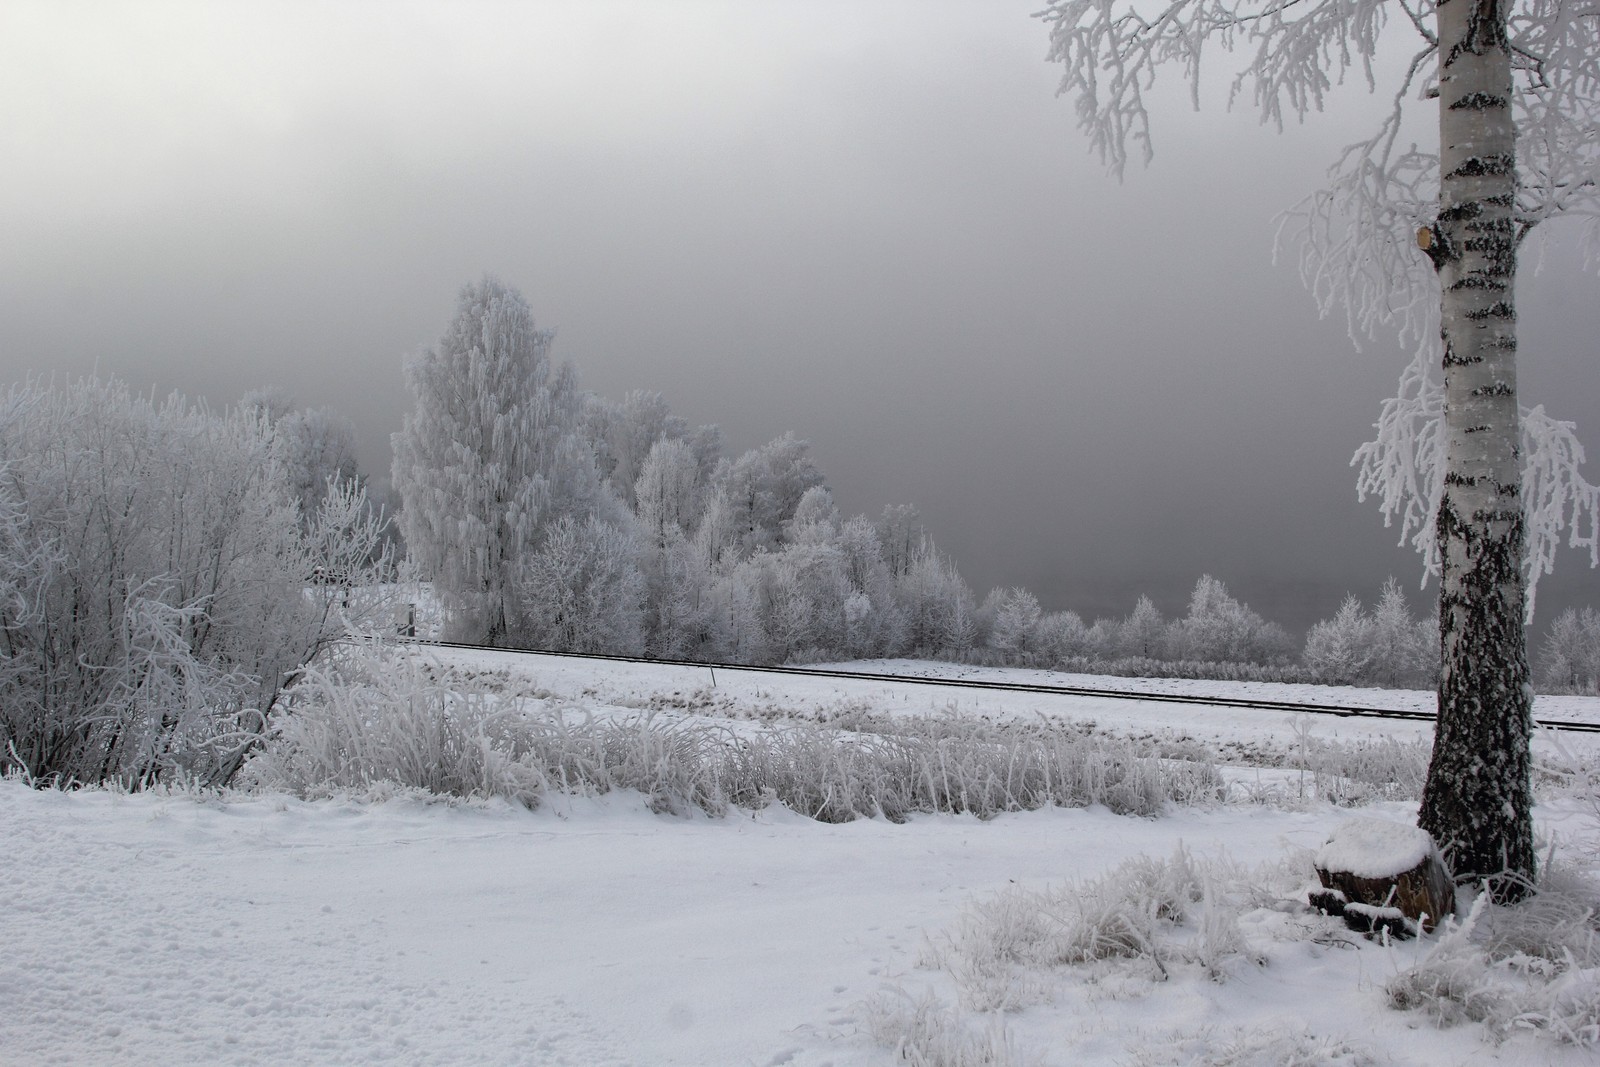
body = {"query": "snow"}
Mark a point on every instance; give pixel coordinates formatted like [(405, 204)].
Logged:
[(260, 929), (1374, 848)]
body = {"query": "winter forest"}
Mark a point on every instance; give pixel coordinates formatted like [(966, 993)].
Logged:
[(565, 729)]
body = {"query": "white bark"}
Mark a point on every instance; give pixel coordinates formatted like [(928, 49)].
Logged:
[(1477, 803)]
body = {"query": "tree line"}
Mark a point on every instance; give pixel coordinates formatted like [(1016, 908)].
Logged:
[(551, 517), (166, 570)]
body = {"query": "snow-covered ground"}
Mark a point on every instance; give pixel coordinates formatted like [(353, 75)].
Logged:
[(613, 684), (260, 929)]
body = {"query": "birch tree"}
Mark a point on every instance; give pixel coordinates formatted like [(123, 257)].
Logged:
[(491, 455), (1425, 241)]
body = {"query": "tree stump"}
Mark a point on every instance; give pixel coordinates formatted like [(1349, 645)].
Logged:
[(1383, 876)]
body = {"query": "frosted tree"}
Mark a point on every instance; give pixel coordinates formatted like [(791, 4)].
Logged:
[(1570, 656), (581, 590), (1015, 633), (1385, 646), (491, 454), (1514, 91), (1339, 649), (875, 625), (1062, 635), (940, 615), (760, 491), (903, 536), (317, 447), (1405, 650), (666, 496), (1220, 629), (1143, 633)]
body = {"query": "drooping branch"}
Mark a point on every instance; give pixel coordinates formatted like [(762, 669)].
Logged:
[(1404, 466)]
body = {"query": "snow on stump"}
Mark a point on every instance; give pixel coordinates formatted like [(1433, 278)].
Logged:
[(1383, 876)]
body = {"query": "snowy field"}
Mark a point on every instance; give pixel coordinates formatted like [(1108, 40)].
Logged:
[(263, 929)]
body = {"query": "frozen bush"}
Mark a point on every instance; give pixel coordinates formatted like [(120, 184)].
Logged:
[(1530, 965), (1146, 914), (154, 592), (581, 590)]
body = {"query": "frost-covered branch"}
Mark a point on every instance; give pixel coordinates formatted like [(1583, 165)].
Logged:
[(1110, 53), (1403, 466)]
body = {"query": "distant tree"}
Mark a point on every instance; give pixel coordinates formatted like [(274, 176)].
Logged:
[(1570, 656), (1340, 649), (1143, 632), (760, 491), (1061, 635), (1220, 629), (489, 457), (1016, 627), (938, 608), (1459, 460), (316, 447), (623, 433), (581, 590), (1105, 639), (903, 537), (1384, 647), (875, 624), (667, 491), (1405, 650)]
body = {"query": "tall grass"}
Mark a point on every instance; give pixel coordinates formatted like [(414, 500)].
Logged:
[(389, 717)]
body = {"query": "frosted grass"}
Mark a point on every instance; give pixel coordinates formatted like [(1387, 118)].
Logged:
[(382, 720)]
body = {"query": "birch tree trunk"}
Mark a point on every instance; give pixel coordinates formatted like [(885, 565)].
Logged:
[(1478, 796)]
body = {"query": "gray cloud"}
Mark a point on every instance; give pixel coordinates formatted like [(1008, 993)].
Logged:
[(872, 224)]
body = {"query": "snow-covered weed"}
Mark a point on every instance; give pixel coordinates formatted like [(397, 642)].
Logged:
[(1146, 915), (1560, 772), (388, 717), (930, 1033), (1352, 773), (1260, 1048), (387, 720), (1534, 965)]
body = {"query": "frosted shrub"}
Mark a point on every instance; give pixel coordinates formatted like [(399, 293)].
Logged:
[(386, 720), (581, 590), (1148, 914), (1292, 673), (1257, 1048), (1531, 965), (153, 589)]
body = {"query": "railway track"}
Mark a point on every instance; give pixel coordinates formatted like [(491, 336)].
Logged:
[(1343, 710)]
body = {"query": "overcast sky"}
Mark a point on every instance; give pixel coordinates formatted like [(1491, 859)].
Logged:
[(871, 223)]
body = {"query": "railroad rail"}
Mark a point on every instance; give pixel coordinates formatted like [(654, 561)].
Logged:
[(1260, 704)]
